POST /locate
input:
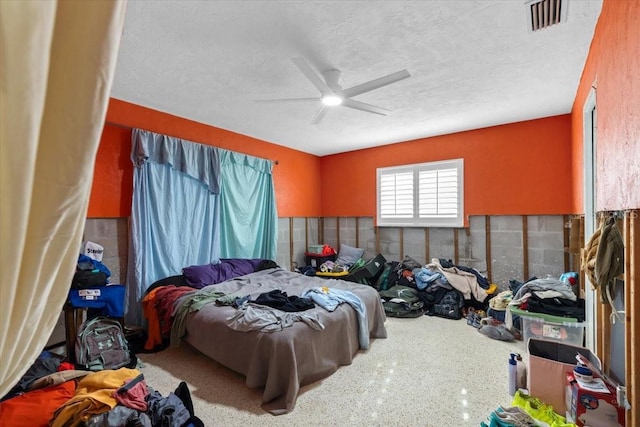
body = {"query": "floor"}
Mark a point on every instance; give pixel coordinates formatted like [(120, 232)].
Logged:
[(429, 372)]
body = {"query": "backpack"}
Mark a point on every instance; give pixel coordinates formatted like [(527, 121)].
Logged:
[(382, 284), (402, 301), (101, 344), (449, 307)]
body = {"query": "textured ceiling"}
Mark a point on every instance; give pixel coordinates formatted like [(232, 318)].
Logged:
[(473, 64)]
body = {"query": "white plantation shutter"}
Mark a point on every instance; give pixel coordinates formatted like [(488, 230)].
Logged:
[(424, 195), (396, 195), (438, 193)]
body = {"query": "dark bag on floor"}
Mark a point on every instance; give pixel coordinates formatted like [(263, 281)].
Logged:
[(449, 307), (401, 301)]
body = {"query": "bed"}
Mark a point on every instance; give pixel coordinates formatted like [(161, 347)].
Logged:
[(281, 362)]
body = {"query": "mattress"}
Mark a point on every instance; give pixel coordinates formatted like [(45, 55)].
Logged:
[(281, 362)]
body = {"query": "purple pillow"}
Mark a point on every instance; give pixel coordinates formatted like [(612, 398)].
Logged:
[(199, 276)]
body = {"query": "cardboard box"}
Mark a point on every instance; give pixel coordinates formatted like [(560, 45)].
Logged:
[(592, 404), (547, 365)]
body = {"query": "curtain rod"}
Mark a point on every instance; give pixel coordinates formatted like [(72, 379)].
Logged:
[(118, 125)]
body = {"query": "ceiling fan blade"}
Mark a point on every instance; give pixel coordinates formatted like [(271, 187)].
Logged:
[(357, 105), (286, 100), (375, 84), (314, 78), (320, 115)]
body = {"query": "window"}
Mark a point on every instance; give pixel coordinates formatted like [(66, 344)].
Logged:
[(421, 195)]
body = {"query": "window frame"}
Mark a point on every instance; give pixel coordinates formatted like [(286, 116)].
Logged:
[(415, 220)]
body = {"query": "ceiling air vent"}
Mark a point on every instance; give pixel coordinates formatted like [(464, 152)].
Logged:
[(545, 13)]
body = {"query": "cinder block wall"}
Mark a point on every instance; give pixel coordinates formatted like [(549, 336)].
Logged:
[(544, 236), (506, 248), (546, 245), (113, 235)]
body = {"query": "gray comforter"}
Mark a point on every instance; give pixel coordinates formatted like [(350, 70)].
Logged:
[(283, 361)]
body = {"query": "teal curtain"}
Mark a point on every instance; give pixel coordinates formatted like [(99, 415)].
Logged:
[(248, 214)]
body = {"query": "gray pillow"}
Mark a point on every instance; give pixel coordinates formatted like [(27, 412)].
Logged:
[(348, 255)]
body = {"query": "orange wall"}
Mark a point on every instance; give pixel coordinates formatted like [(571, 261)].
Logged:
[(294, 175), (112, 176), (532, 167), (613, 65), (519, 168)]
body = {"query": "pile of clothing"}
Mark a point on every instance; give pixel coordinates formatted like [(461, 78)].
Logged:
[(53, 393), (549, 296)]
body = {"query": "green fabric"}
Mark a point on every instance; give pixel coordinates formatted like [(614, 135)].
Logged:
[(567, 321), (382, 284), (402, 301), (248, 214), (404, 293), (357, 265), (194, 303), (394, 309)]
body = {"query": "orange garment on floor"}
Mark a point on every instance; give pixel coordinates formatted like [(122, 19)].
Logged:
[(35, 408), (94, 396), (157, 307), (154, 337)]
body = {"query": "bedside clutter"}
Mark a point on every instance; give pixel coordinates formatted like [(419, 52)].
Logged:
[(317, 255), (348, 264), (365, 272)]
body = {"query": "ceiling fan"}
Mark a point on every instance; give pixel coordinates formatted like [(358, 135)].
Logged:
[(332, 94)]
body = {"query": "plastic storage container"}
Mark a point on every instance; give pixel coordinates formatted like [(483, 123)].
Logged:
[(542, 326), (316, 260), (315, 249)]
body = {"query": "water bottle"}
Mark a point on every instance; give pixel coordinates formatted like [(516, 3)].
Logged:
[(513, 373), (521, 373)]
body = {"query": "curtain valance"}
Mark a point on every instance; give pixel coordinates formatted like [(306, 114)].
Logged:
[(199, 161), (233, 158)]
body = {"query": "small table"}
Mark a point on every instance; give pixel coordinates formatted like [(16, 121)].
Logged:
[(84, 303)]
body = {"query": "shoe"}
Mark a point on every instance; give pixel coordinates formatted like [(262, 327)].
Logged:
[(515, 413), (539, 410), (490, 321), (473, 320), (497, 332), (512, 410), (521, 400), (552, 418), (512, 418)]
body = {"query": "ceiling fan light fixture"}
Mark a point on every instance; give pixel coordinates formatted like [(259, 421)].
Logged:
[(331, 100)]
